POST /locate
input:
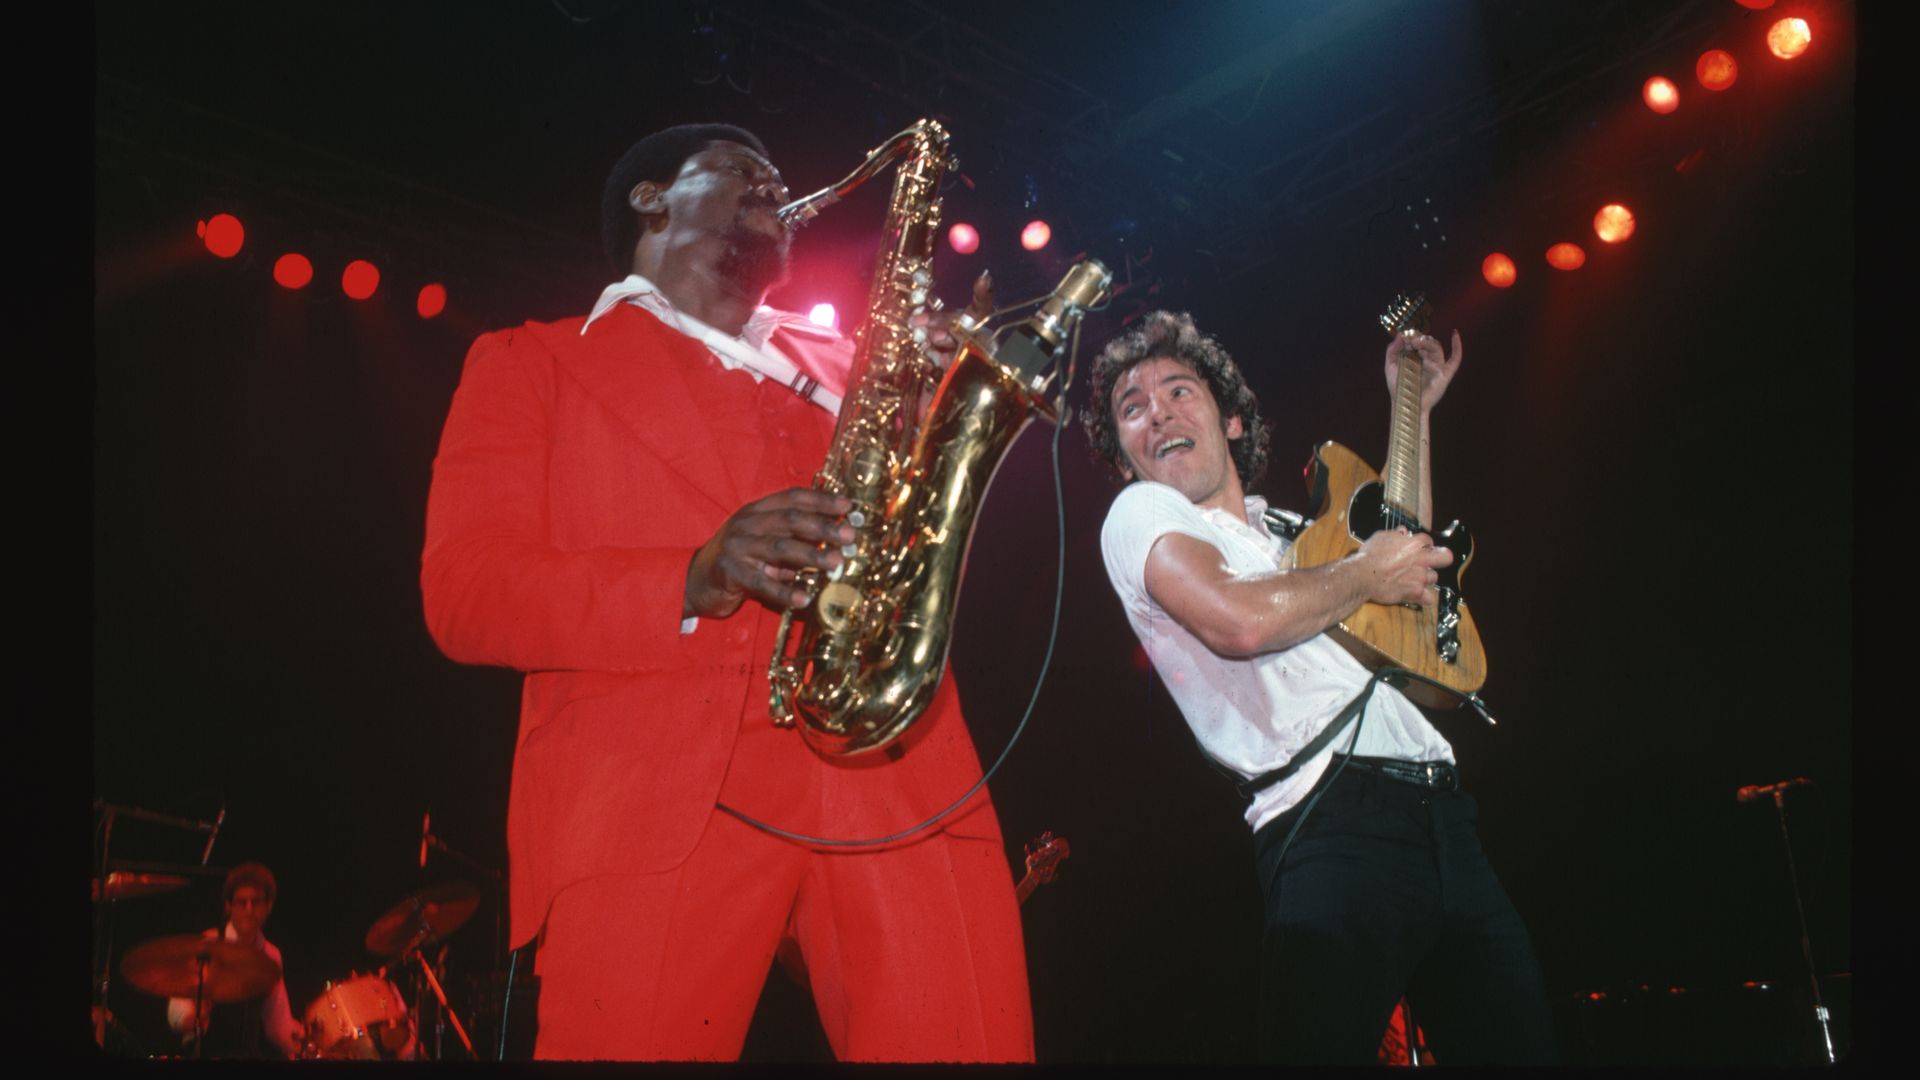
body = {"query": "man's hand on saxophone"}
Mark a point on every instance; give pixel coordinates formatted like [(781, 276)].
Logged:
[(757, 551)]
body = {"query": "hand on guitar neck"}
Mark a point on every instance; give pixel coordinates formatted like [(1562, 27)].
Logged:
[(1416, 616), (1418, 374)]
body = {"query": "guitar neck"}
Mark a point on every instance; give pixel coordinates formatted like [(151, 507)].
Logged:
[(1401, 475)]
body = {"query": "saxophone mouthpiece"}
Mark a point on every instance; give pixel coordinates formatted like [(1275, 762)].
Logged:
[(805, 209)]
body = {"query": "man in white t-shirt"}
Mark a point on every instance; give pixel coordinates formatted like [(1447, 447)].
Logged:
[(1374, 882)]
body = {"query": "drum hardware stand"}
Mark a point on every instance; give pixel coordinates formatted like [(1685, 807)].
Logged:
[(1779, 793), (104, 910), (199, 1006), (430, 842), (440, 994)]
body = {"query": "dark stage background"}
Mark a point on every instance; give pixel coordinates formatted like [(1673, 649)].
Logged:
[(1655, 451)]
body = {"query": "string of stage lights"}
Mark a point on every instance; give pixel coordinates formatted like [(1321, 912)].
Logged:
[(1716, 70), (225, 236)]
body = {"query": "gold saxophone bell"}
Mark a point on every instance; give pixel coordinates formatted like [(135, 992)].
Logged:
[(861, 660)]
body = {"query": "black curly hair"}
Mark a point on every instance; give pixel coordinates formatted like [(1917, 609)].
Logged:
[(1173, 335), (657, 157), (249, 873)]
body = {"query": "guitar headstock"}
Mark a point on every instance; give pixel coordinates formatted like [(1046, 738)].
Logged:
[(1408, 314), (1044, 855)]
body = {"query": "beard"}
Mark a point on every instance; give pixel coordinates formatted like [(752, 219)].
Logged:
[(753, 261)]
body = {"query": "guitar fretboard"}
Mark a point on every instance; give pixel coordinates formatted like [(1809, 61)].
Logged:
[(1401, 476)]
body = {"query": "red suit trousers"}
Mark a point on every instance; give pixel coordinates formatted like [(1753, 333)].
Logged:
[(904, 949)]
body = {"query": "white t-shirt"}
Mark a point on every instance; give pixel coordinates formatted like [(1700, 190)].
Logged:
[(1251, 715)]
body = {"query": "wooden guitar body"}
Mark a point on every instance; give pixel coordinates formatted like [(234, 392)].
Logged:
[(1348, 505)]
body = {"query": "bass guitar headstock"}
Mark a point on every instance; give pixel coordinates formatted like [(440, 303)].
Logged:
[(1044, 855)]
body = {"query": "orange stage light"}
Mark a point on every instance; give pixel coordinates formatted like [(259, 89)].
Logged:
[(222, 234), (432, 301), (1716, 69), (1498, 270), (359, 279), (1660, 94), (1613, 223), (964, 238), (1789, 38), (1565, 256), (1035, 235), (292, 270)]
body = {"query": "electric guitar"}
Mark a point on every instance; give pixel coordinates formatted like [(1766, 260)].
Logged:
[(1352, 502), (1044, 855)]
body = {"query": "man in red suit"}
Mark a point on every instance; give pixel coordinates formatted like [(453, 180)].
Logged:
[(619, 505)]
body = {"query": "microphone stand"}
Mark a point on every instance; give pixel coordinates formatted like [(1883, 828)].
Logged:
[(1806, 947), (104, 905)]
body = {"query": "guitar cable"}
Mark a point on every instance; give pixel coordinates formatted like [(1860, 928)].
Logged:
[(1392, 676)]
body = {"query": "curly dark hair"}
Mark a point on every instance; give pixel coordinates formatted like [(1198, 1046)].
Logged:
[(249, 873), (657, 157), (1173, 335)]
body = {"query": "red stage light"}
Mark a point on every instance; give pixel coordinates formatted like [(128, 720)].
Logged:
[(1613, 223), (359, 279), (222, 234), (1035, 235), (822, 315), (432, 301), (1498, 270), (292, 270), (963, 238), (1565, 256), (1789, 38), (1660, 94), (1716, 69)]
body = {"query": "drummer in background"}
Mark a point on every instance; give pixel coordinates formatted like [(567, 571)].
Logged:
[(256, 1028)]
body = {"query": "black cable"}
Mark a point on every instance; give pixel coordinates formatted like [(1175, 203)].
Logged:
[(1394, 677), (1365, 696)]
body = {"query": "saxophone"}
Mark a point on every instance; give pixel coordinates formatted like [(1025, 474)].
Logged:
[(860, 661)]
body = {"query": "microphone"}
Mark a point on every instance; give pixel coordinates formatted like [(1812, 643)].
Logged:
[(1761, 791), (213, 834), (424, 820)]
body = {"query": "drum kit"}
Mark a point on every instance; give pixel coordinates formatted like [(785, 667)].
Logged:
[(363, 1016)]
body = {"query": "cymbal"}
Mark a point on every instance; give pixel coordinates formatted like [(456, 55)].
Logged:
[(124, 885), (171, 967), (430, 914)]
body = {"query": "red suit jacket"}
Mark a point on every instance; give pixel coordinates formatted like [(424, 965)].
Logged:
[(577, 475)]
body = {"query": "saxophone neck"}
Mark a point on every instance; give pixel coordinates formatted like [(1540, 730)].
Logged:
[(924, 137)]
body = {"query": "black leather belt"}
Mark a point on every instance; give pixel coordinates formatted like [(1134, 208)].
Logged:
[(1431, 774)]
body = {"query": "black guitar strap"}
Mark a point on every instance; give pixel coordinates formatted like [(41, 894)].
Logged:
[(1248, 788)]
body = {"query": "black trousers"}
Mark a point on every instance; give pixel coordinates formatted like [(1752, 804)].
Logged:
[(1385, 892)]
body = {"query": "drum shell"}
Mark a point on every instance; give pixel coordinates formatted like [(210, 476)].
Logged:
[(360, 1018)]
